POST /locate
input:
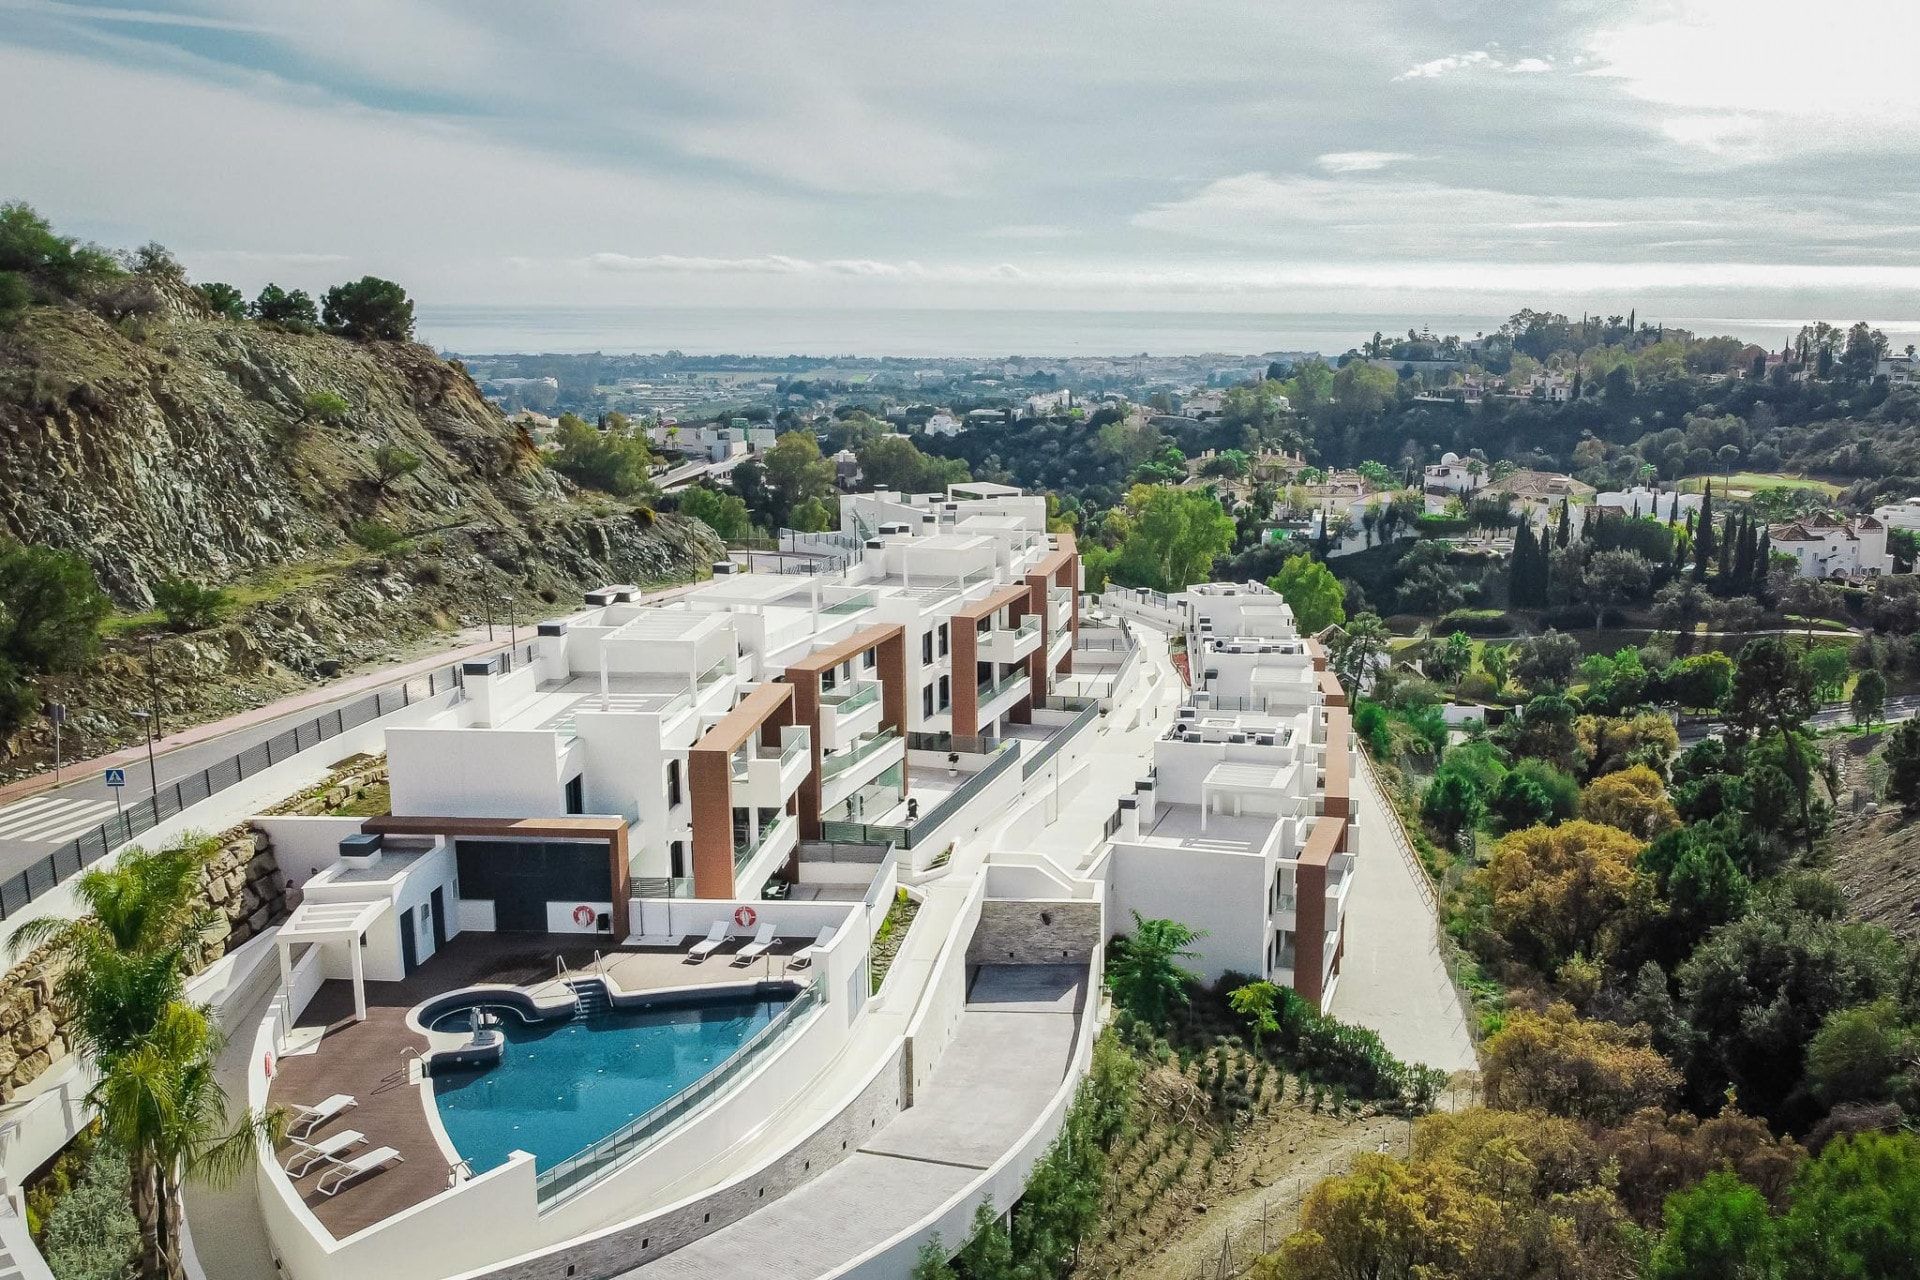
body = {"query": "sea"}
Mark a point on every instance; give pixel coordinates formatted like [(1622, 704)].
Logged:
[(930, 333)]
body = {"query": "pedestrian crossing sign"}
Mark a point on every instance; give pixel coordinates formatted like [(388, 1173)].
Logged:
[(116, 777)]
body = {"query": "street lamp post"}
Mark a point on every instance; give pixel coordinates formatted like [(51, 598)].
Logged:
[(486, 602), (513, 637), (153, 775)]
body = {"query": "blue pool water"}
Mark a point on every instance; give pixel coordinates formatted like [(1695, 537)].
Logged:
[(561, 1086)]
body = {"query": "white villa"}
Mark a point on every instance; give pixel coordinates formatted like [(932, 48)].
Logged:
[(1827, 547)]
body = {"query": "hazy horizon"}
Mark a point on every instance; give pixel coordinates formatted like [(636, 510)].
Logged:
[(980, 333)]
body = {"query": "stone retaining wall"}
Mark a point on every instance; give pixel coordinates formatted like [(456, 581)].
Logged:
[(1045, 932)]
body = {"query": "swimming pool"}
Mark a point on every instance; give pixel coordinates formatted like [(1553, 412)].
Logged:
[(562, 1085)]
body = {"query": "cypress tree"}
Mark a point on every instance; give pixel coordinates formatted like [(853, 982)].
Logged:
[(1743, 554), (1762, 554), (1726, 547), (1520, 569), (1564, 534), (1703, 537)]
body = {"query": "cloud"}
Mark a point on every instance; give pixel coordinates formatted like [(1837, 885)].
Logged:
[(1476, 60), (1031, 231), (1732, 81), (1358, 161), (1411, 219)]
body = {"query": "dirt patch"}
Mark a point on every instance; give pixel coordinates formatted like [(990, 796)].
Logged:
[(1874, 849), (1190, 1185)]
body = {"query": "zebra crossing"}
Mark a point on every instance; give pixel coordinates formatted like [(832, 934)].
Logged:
[(50, 820)]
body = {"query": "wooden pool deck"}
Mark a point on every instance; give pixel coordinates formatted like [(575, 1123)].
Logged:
[(370, 1060)]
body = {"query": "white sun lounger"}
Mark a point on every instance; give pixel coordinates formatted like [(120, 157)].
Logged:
[(307, 1119), (762, 940), (347, 1171), (322, 1152), (808, 953), (709, 944)]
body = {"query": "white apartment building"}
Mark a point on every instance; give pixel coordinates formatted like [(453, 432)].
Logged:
[(1244, 828)]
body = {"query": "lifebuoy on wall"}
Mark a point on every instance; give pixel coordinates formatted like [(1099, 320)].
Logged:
[(744, 916), (583, 915), (267, 1062)]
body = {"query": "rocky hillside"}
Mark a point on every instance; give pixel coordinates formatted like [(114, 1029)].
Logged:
[(184, 446)]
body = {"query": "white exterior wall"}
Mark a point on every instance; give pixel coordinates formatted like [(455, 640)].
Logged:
[(460, 773), (1224, 894)]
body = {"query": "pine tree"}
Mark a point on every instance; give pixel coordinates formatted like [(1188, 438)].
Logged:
[(1703, 537)]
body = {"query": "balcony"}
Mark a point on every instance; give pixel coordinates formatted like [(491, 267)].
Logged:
[(763, 851), (849, 712), (1010, 644), (995, 697), (845, 772), (1059, 608), (765, 782)]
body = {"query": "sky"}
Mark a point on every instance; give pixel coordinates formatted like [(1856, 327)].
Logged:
[(1692, 157)]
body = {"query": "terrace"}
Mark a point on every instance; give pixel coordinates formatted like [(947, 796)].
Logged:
[(329, 1052)]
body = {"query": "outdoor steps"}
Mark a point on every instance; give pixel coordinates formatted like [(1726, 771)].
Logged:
[(589, 998)]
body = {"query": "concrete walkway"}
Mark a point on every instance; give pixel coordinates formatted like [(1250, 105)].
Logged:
[(971, 1112), (229, 1234), (1393, 977)]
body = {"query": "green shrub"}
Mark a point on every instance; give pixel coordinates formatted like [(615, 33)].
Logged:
[(1475, 622), (1437, 526), (376, 536), (325, 406), (92, 1233), (186, 605)]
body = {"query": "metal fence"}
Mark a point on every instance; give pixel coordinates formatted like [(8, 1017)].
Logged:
[(141, 816)]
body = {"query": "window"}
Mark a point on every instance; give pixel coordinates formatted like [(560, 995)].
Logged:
[(673, 783), (576, 794), (926, 647), (946, 694), (926, 701), (868, 659), (678, 852), (943, 639)]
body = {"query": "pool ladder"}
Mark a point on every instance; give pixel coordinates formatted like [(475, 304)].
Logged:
[(589, 998)]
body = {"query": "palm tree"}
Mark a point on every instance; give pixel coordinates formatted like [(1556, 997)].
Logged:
[(1144, 973), (122, 988), (161, 1103)]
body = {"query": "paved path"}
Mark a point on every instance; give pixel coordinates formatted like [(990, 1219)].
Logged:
[(1007, 1059), (1393, 977), (229, 1233)]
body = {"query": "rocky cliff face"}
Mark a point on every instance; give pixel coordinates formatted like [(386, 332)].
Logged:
[(191, 448)]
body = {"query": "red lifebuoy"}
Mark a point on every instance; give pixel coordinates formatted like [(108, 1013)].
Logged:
[(583, 915), (267, 1062), (744, 916)]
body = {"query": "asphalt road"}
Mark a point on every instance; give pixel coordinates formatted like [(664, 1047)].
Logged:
[(33, 827), (1831, 716)]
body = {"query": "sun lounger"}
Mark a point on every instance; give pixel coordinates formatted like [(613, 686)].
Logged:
[(807, 954), (346, 1171), (762, 940), (709, 944), (322, 1152), (306, 1119)]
